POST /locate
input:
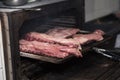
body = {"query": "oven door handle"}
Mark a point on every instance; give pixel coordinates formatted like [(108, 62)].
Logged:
[(108, 53)]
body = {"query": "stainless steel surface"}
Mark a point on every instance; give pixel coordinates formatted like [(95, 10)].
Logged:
[(38, 3), (33, 9), (44, 58), (108, 53), (7, 51), (2, 55), (15, 2)]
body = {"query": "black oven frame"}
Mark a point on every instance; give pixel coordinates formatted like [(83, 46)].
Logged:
[(11, 23)]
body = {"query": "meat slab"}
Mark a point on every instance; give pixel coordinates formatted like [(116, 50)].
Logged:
[(97, 35), (54, 43), (62, 32), (53, 50), (99, 32), (49, 39)]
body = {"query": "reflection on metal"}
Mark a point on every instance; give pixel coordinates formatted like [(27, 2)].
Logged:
[(7, 48), (2, 67)]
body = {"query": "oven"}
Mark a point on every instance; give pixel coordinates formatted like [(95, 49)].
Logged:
[(38, 16)]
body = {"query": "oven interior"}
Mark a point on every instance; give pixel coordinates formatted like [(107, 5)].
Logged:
[(42, 24), (56, 15), (52, 16), (39, 70), (75, 68), (33, 69)]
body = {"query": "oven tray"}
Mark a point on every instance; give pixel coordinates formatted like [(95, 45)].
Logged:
[(44, 58), (60, 60)]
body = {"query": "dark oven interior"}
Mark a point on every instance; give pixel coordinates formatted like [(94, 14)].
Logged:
[(65, 18), (45, 22), (55, 15), (61, 14)]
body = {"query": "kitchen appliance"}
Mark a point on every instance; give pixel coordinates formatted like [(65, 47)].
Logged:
[(18, 20)]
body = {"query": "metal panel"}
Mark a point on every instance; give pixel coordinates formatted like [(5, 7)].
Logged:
[(30, 5), (6, 45), (1, 75), (89, 9), (2, 62), (98, 8)]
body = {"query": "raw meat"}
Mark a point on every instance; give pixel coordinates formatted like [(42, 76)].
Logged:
[(97, 35), (99, 32), (62, 32), (48, 49), (46, 38)]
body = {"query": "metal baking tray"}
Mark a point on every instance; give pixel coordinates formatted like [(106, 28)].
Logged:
[(44, 58), (86, 48)]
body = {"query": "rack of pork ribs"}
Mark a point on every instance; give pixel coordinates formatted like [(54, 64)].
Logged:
[(57, 43)]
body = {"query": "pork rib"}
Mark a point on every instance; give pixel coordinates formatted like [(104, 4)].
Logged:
[(62, 32), (97, 35), (99, 32), (53, 50), (46, 38)]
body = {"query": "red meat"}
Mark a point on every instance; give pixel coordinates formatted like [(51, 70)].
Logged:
[(62, 32), (48, 49), (49, 39)]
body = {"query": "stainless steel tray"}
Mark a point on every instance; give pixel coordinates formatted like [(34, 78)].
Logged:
[(44, 58), (86, 48)]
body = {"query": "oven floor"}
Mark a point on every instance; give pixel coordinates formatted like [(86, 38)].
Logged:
[(92, 66)]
